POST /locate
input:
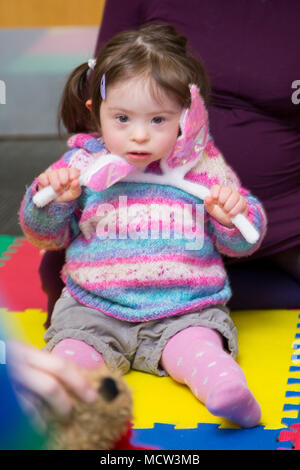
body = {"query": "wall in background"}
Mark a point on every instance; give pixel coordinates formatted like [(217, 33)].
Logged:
[(45, 13)]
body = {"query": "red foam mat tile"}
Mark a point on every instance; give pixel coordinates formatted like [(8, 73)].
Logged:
[(291, 435), (20, 286)]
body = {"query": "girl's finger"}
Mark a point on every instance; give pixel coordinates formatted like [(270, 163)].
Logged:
[(55, 181), (240, 208), (75, 188), (224, 193), (231, 202), (209, 201), (63, 176), (73, 192), (43, 180), (74, 173), (214, 192)]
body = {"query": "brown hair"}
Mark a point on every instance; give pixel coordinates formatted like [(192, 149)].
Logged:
[(155, 51)]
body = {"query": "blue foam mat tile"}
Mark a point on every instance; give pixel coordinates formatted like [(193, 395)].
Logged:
[(285, 445), (291, 393), (289, 421), (207, 437)]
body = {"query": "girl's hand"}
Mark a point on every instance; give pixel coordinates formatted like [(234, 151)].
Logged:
[(64, 181), (224, 203)]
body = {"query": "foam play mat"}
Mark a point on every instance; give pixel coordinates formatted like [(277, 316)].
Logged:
[(166, 414)]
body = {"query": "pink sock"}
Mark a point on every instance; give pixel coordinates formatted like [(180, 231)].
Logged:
[(195, 356), (79, 352)]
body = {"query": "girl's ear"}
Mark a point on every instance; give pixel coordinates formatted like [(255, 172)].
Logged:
[(88, 104)]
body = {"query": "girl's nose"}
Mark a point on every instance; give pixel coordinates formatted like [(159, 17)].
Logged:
[(140, 134)]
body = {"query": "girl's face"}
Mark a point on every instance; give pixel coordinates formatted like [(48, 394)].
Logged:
[(135, 125)]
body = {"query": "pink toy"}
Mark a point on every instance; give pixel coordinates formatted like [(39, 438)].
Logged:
[(100, 175), (187, 152)]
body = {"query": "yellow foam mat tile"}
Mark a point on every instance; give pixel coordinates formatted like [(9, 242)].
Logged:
[(293, 400), (25, 326), (265, 349)]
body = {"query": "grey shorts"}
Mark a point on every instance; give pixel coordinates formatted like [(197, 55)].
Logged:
[(130, 345)]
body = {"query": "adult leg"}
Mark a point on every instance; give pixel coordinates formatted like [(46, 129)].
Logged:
[(289, 261), (49, 271)]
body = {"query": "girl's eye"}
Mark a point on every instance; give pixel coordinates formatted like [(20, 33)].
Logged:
[(157, 120), (122, 118)]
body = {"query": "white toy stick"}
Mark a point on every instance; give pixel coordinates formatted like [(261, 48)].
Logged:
[(246, 228), (108, 169), (103, 173)]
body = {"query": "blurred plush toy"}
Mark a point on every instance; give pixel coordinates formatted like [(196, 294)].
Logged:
[(103, 425)]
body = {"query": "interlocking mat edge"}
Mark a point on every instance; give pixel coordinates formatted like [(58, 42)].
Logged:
[(166, 414)]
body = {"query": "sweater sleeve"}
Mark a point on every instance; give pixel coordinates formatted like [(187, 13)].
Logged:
[(51, 227)]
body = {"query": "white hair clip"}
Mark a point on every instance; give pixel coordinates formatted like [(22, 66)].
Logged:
[(91, 63)]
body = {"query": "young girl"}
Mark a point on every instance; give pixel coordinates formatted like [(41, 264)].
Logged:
[(154, 303)]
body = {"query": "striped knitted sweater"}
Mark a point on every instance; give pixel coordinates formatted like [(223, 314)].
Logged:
[(141, 251)]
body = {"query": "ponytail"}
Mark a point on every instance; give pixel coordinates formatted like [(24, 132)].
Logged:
[(72, 110)]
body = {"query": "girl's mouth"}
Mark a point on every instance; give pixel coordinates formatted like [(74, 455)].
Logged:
[(138, 156)]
